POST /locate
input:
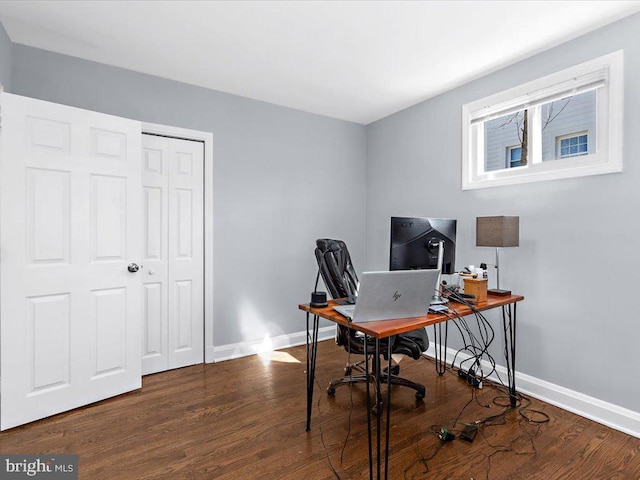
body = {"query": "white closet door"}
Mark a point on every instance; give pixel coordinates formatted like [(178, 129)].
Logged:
[(173, 244), (155, 252), (70, 192)]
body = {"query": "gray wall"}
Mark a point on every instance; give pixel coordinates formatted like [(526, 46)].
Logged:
[(282, 178), (579, 326), (5, 59)]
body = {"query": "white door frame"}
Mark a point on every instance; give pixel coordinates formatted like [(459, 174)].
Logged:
[(207, 139)]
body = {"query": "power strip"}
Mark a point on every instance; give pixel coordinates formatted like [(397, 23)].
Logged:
[(470, 378), (438, 308)]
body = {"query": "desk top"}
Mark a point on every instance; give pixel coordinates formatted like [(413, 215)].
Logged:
[(387, 328)]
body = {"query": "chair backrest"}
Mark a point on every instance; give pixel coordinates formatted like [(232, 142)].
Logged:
[(336, 268), (341, 280)]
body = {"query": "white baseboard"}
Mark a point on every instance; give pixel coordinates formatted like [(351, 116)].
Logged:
[(611, 415), (237, 350)]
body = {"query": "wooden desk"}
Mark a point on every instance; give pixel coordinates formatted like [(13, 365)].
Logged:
[(388, 328)]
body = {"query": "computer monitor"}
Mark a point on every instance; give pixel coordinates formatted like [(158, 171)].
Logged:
[(415, 243)]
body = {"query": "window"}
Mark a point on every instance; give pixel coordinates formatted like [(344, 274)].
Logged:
[(568, 124), (514, 156), (572, 145)]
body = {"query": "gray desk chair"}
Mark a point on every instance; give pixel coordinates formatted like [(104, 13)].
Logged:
[(341, 280)]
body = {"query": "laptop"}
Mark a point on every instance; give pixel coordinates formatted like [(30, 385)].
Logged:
[(389, 295)]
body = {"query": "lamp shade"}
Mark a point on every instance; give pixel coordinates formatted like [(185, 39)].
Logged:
[(497, 231)]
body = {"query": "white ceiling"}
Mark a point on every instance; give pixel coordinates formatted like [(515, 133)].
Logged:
[(353, 60)]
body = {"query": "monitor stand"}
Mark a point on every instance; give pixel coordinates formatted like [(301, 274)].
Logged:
[(438, 300), (437, 297)]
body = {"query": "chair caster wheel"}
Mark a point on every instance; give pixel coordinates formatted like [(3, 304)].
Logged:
[(347, 371), (331, 391), (419, 396)]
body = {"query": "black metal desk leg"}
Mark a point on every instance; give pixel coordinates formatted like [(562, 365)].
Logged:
[(386, 448), (440, 347), (509, 326), (366, 372), (312, 348), (378, 403)]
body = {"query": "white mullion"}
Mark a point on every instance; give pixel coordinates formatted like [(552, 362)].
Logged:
[(535, 135), (479, 150)]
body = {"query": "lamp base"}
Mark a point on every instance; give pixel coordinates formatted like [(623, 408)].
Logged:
[(499, 292)]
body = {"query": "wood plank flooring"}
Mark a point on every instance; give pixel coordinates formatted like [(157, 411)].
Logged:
[(245, 419)]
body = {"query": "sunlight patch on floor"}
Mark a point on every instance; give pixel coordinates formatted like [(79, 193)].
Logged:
[(268, 355)]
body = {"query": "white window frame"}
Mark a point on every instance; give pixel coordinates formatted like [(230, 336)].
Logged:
[(606, 74)]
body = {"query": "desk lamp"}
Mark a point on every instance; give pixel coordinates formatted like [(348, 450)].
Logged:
[(498, 232)]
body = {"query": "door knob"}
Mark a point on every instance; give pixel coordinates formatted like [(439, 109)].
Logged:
[(133, 267)]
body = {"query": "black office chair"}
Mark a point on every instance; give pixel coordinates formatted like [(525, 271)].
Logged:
[(341, 280)]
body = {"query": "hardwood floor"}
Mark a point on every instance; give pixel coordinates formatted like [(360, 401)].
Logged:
[(245, 419)]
